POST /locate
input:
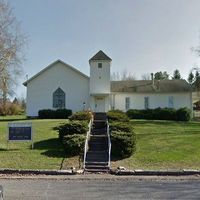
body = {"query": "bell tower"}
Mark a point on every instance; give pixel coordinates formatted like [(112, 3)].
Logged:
[(100, 65)]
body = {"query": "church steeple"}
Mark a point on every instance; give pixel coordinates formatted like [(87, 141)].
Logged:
[(100, 73), (100, 56)]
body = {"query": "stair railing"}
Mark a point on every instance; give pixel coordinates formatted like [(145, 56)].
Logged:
[(109, 144), (86, 141)]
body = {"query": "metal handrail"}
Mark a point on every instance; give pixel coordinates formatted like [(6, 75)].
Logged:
[(109, 144), (86, 142)]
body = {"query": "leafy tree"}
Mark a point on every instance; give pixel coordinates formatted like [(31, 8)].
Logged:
[(161, 75), (176, 74), (11, 44)]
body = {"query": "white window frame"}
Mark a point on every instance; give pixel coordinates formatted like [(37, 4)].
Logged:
[(146, 102), (171, 102), (99, 65), (127, 103), (59, 98)]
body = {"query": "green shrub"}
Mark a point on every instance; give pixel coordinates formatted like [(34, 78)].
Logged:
[(183, 114), (74, 144), (117, 115), (72, 127), (164, 114), (123, 144), (121, 126), (82, 115), (54, 114)]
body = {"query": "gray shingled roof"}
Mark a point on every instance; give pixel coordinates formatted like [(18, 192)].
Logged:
[(143, 86), (100, 56)]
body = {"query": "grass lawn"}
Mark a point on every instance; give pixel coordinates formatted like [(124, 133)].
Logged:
[(47, 152), (164, 145), (160, 145)]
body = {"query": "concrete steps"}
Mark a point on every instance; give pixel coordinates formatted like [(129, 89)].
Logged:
[(97, 156)]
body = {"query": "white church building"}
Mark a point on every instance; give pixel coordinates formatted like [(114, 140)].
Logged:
[(60, 85)]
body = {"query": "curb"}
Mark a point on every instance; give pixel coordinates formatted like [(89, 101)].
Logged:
[(139, 172), (37, 172)]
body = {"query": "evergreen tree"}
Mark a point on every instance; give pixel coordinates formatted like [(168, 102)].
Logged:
[(176, 74), (191, 78)]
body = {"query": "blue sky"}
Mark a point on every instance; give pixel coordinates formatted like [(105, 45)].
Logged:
[(141, 36)]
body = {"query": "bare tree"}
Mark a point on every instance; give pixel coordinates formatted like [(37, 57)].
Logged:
[(127, 76), (123, 76), (146, 77), (115, 76), (11, 44)]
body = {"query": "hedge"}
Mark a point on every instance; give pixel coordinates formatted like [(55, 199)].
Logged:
[(54, 114), (74, 144), (182, 114), (123, 139), (121, 126), (72, 134), (72, 127), (123, 144), (117, 115), (82, 115)]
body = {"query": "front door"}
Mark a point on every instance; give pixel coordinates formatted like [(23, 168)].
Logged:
[(99, 104)]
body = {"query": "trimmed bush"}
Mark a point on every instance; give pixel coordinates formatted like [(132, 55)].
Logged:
[(123, 144), (72, 135), (117, 115), (54, 114), (164, 114), (183, 114), (72, 127), (120, 126), (82, 115), (74, 144)]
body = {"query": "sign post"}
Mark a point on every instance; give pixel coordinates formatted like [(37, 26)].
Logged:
[(21, 131)]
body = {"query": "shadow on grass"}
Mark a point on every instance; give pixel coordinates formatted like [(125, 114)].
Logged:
[(117, 158), (5, 149), (52, 146), (53, 153), (52, 143), (13, 119), (156, 122)]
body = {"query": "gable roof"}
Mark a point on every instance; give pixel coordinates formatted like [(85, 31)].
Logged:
[(51, 65), (100, 56), (146, 86)]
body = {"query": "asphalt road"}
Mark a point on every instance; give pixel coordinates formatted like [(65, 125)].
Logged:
[(90, 189)]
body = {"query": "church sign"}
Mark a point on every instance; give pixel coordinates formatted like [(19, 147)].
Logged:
[(20, 132)]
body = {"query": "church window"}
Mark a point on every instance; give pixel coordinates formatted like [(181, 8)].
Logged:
[(59, 98), (127, 103), (170, 101), (99, 65), (146, 102)]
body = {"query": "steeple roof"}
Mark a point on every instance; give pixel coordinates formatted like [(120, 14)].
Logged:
[(100, 56)]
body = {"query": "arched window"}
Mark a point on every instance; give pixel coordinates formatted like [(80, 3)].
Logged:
[(59, 98)]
